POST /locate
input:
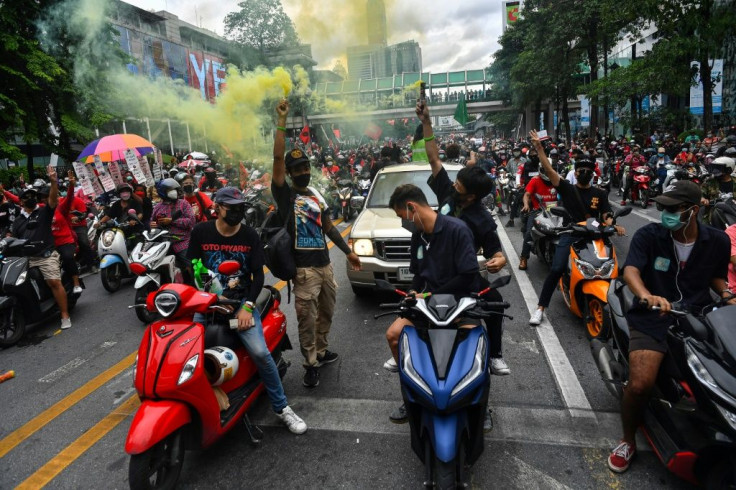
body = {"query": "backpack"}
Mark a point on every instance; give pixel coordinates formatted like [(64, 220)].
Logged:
[(277, 247)]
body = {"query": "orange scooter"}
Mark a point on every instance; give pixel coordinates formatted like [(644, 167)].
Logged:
[(590, 270)]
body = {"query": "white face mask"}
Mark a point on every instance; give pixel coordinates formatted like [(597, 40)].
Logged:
[(172, 194)]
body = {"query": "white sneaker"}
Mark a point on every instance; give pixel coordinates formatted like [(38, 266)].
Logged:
[(536, 318), (391, 366), (77, 290), (66, 323), (295, 424), (499, 366)]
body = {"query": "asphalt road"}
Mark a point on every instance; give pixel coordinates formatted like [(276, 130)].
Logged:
[(67, 412)]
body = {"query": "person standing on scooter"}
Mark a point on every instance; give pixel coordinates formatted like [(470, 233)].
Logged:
[(582, 201), (226, 238), (677, 260), (307, 220), (175, 214), (463, 199), (34, 225)]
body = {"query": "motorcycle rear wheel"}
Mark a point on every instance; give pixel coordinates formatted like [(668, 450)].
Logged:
[(643, 198), (12, 326), (141, 295), (160, 466), (111, 277)]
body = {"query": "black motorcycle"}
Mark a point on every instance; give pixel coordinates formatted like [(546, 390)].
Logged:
[(690, 420), (723, 212), (26, 298)]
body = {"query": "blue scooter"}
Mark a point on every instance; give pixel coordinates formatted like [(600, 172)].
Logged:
[(445, 378)]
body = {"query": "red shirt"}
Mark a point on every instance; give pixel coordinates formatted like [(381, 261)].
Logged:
[(61, 224), (546, 191), (193, 201)]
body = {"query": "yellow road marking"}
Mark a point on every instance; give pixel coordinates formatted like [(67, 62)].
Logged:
[(74, 450), (39, 421), (70, 454)]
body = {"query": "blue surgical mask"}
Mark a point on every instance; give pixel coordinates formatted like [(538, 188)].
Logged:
[(660, 154), (672, 221)]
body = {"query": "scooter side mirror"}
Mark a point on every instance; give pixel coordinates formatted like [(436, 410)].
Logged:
[(500, 282), (229, 267), (560, 212), (625, 211), (384, 285)]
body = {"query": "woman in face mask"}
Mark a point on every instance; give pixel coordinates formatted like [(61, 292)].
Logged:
[(176, 216), (199, 201)]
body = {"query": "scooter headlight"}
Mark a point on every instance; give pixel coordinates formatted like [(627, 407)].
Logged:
[(166, 303), (408, 367), (707, 380), (107, 237), (586, 269), (607, 269), (728, 416), (188, 370), (21, 278), (476, 370)]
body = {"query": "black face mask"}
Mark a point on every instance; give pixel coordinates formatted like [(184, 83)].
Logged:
[(534, 159), (188, 189), (459, 198), (301, 181), (585, 177), (408, 225), (31, 203), (235, 215)]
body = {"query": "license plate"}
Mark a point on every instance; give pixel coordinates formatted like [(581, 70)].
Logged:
[(404, 274)]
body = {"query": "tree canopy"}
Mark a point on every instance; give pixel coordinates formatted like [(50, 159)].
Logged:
[(262, 25)]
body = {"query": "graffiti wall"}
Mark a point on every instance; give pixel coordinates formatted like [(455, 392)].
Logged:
[(155, 57)]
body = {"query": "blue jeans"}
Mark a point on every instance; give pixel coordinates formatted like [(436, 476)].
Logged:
[(559, 263), (255, 344)]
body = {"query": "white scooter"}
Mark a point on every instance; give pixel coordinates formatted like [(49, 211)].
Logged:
[(113, 252), (154, 262)]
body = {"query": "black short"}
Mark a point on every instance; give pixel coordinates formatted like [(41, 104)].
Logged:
[(641, 341)]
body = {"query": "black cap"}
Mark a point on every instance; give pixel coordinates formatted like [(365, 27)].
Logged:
[(681, 192), (295, 157), (229, 195)]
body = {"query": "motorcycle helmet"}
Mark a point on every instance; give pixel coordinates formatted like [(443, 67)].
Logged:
[(730, 153), (553, 153), (210, 173), (165, 186), (721, 166), (220, 365), (123, 187), (173, 172)]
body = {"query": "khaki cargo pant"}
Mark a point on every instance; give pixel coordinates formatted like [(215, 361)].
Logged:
[(315, 291)]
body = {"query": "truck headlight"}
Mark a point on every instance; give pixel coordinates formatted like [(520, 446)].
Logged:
[(476, 370), (363, 247)]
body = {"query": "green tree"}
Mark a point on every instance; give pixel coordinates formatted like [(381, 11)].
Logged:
[(262, 25)]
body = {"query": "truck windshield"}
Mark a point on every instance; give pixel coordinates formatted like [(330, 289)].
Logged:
[(386, 183)]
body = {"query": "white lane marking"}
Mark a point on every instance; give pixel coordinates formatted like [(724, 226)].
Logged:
[(74, 364), (553, 427), (641, 214), (564, 374), (531, 478)]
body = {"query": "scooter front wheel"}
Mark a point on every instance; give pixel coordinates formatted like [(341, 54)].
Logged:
[(111, 277), (596, 325), (12, 326), (141, 295), (159, 467)]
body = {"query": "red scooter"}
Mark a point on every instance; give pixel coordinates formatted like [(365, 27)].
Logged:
[(640, 186), (178, 362)]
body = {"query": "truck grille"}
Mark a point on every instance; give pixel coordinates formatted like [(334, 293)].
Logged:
[(398, 250)]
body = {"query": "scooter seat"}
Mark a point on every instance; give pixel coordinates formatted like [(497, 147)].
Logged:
[(220, 334), (266, 299)]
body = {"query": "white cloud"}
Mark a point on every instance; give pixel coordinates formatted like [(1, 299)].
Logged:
[(453, 36)]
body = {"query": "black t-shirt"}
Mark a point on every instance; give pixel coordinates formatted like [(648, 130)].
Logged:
[(8, 212), (305, 217), (476, 216), (208, 244), (116, 210), (36, 228), (210, 185), (594, 199), (726, 187), (444, 255), (652, 251)]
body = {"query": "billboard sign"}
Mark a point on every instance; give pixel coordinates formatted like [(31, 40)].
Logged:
[(696, 91), (510, 12)]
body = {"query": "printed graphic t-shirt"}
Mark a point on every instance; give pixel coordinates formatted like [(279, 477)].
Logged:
[(304, 224), (208, 244)]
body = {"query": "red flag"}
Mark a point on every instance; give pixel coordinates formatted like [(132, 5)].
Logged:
[(304, 135), (243, 176), (336, 132), (373, 131)]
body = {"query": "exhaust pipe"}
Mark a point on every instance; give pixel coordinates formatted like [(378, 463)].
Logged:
[(603, 357)]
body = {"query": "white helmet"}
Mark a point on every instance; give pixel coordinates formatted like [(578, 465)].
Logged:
[(220, 365), (727, 162)]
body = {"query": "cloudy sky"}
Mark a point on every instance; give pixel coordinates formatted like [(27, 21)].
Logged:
[(452, 35)]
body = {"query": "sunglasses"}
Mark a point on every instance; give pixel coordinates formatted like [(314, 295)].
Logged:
[(678, 208)]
